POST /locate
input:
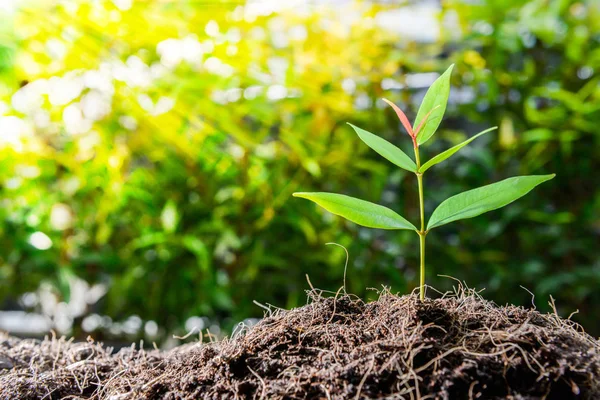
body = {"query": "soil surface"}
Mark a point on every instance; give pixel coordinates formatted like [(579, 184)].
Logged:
[(455, 347)]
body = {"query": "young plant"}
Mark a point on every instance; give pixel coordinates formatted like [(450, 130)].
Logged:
[(465, 205)]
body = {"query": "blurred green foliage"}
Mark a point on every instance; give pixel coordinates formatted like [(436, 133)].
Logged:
[(157, 145)]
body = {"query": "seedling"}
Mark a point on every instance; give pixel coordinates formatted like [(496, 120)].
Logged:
[(464, 205)]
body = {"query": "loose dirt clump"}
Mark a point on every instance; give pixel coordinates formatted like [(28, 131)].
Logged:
[(455, 347)]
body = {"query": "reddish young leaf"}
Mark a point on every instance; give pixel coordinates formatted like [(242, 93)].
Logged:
[(425, 120), (402, 117)]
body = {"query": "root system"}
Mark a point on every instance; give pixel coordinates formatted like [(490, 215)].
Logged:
[(459, 346)]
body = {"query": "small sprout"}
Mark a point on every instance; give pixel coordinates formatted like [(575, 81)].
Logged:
[(464, 205)]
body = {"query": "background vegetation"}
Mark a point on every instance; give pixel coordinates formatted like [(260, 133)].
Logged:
[(148, 152)]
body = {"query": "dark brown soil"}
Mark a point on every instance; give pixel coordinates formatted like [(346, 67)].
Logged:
[(454, 347)]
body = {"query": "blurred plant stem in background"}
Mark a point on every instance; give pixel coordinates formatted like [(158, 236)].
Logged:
[(150, 150)]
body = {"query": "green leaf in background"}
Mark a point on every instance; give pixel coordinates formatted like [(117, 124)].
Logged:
[(64, 280), (169, 217), (358, 211), (475, 202), (437, 95), (199, 249), (446, 154), (386, 149)]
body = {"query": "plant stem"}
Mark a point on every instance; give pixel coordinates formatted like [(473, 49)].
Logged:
[(422, 267), (422, 233)]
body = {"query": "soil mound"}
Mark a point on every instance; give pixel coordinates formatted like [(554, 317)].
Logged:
[(455, 347)]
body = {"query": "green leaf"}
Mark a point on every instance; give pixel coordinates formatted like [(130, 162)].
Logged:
[(437, 95), (199, 249), (169, 217), (358, 211), (475, 202), (445, 154), (386, 149)]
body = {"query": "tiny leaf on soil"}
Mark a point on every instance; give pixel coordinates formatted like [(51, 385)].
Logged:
[(358, 211), (437, 95), (475, 202), (386, 149)]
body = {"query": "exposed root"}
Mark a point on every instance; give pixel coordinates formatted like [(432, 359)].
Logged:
[(456, 347)]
